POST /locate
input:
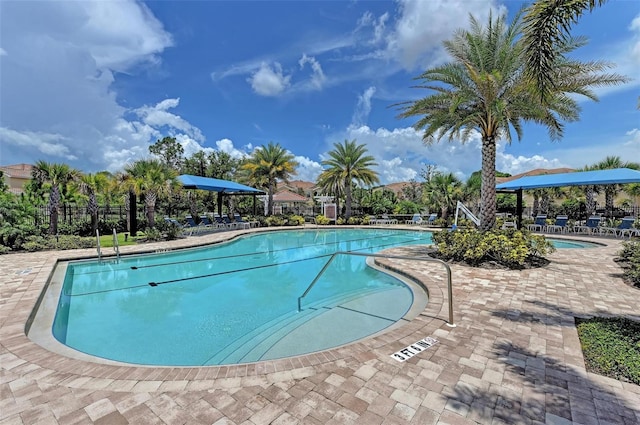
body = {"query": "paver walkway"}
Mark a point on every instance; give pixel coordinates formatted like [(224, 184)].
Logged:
[(514, 358)]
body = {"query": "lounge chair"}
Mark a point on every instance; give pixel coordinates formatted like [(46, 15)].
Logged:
[(388, 220), (373, 220), (539, 224), (509, 225), (185, 229), (195, 227), (591, 227), (416, 219), (228, 222), (625, 228), (559, 226), (431, 221), (220, 221), (204, 219), (240, 222)]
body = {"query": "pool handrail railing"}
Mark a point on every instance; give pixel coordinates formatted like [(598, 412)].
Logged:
[(393, 257)]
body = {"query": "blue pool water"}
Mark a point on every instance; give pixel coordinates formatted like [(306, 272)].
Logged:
[(564, 243), (234, 302)]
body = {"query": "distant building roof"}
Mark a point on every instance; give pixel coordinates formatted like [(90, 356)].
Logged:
[(288, 196), (17, 171), (535, 172)]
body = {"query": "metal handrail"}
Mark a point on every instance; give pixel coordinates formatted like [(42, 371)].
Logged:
[(398, 257), (116, 246), (98, 239)]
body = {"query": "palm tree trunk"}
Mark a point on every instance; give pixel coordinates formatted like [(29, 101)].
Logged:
[(590, 202), (150, 202), (92, 209), (127, 209), (609, 193), (54, 203), (544, 203), (270, 196), (536, 204), (488, 189), (347, 195)]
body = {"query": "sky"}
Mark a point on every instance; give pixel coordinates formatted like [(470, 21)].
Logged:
[(94, 83)]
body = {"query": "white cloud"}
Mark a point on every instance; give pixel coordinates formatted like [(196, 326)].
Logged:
[(308, 169), (317, 78), (363, 108), (226, 145), (3, 52), (57, 82), (46, 143), (269, 81), (158, 116), (633, 138), (424, 25)]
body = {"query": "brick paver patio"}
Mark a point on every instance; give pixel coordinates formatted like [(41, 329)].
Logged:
[(514, 358)]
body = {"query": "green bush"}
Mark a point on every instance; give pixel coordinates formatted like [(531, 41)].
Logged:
[(322, 220), (629, 256), (4, 249), (510, 247), (153, 234), (295, 220), (341, 221), (611, 347), (275, 220), (354, 220), (41, 243)]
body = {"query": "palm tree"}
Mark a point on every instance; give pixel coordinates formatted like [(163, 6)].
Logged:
[(90, 186), (56, 176), (611, 190), (152, 178), (332, 184), (486, 89), (546, 27), (443, 190), (348, 163), (267, 165)]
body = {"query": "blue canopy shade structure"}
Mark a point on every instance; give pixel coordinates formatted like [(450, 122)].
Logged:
[(216, 185), (579, 178), (223, 187)]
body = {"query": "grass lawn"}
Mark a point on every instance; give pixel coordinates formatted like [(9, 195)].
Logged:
[(106, 241), (611, 347)]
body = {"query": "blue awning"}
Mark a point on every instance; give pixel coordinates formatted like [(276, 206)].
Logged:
[(579, 178), (216, 185)]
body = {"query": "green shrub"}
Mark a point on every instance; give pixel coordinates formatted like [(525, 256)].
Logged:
[(41, 243), (354, 220), (275, 220), (295, 220), (510, 247), (153, 234), (4, 249), (322, 220), (341, 221), (611, 347), (629, 256)]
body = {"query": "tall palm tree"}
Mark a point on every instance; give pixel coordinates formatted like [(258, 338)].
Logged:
[(333, 185), (347, 163), (91, 185), (443, 190), (546, 27), (611, 190), (152, 178), (56, 177), (486, 89), (266, 166)]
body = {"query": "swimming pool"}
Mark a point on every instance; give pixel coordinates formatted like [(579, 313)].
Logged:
[(234, 302), (570, 243)]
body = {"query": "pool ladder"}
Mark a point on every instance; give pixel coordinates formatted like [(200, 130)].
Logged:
[(394, 257), (116, 245)]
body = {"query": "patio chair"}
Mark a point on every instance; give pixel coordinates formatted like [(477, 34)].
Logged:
[(238, 219), (431, 220), (591, 227), (509, 225), (220, 221), (416, 219), (185, 229), (373, 220), (228, 222), (387, 220), (539, 224), (559, 226), (625, 228), (204, 219), (192, 223)]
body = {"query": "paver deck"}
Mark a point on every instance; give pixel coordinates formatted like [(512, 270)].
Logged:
[(513, 358)]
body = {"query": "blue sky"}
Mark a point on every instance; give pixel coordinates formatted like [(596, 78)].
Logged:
[(94, 83)]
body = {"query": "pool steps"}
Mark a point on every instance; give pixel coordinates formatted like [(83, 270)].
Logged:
[(255, 344)]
